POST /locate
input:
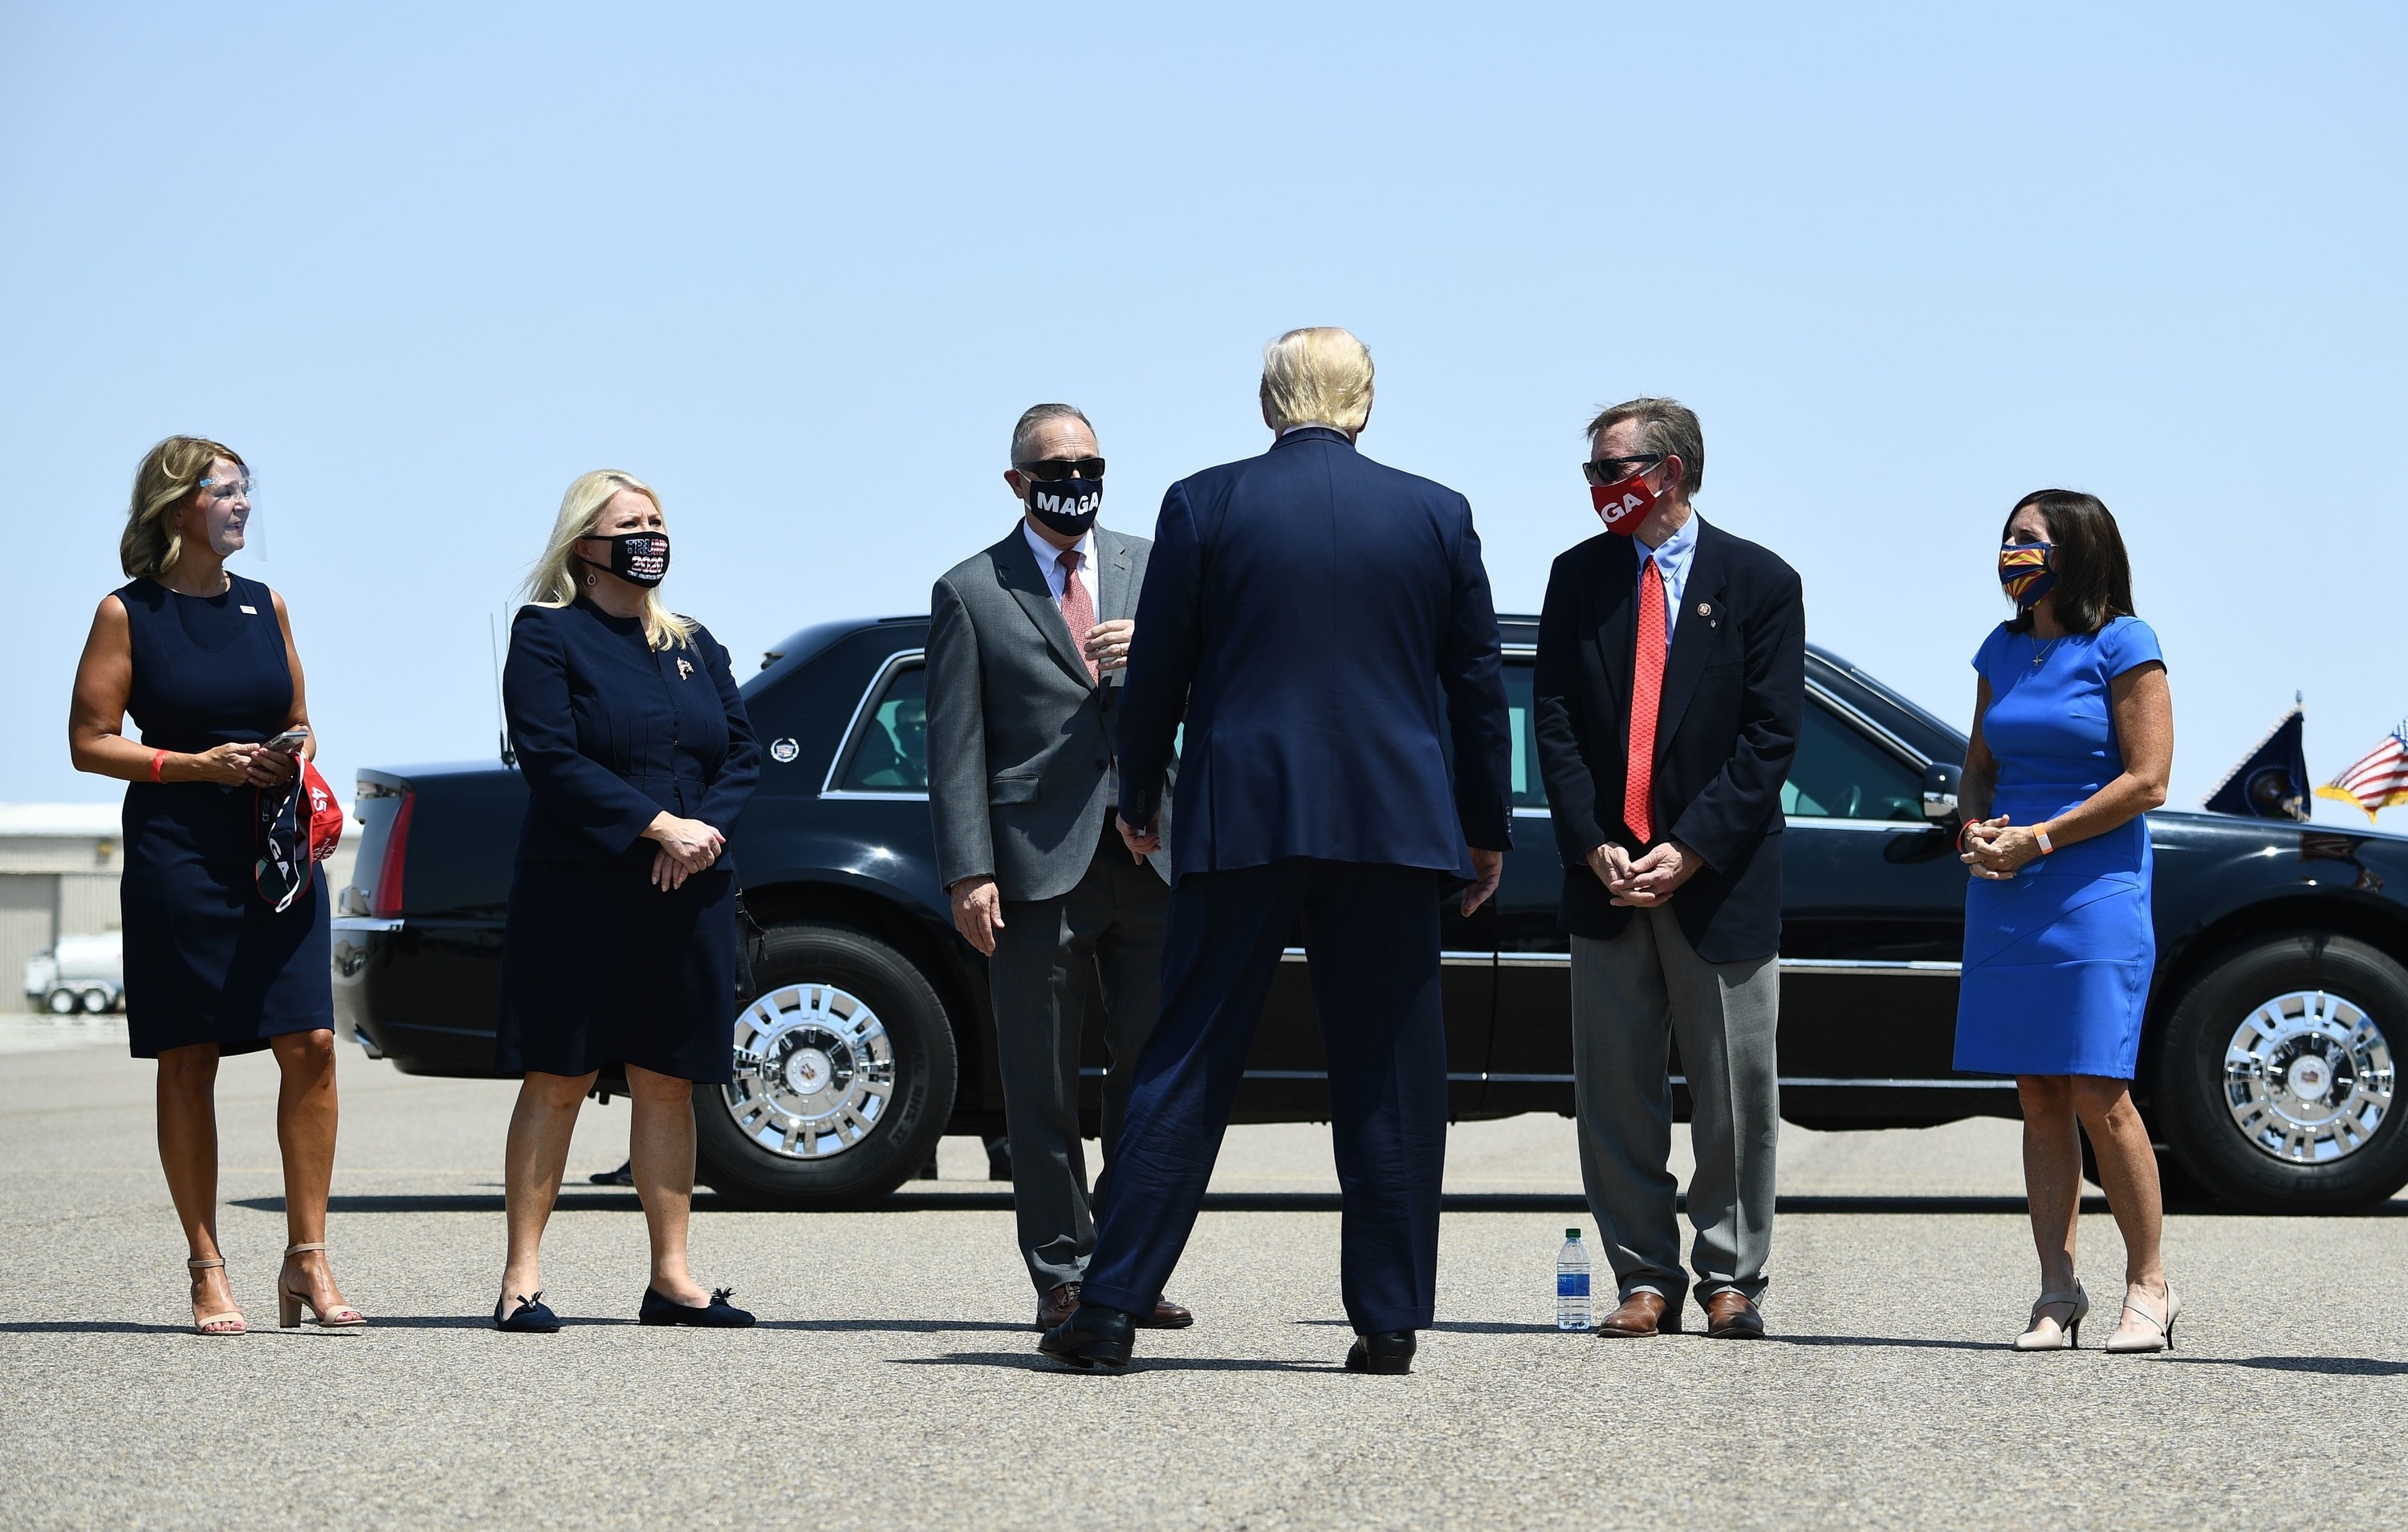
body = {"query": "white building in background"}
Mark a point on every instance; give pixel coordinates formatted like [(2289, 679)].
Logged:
[(59, 869)]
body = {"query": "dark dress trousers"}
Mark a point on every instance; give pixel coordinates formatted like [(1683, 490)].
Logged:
[(599, 966), (1019, 766), (207, 959), (1322, 626)]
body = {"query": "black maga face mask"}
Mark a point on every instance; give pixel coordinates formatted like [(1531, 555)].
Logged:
[(1065, 505), (640, 558)]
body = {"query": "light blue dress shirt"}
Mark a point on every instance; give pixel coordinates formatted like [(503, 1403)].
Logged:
[(1672, 560)]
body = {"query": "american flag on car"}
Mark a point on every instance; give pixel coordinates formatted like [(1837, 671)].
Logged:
[(2378, 779)]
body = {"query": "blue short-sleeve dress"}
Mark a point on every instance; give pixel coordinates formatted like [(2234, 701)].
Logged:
[(2058, 958)]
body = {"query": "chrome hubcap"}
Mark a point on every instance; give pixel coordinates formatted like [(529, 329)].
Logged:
[(2308, 1078), (814, 1071)]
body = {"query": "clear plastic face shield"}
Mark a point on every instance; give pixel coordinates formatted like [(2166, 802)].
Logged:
[(224, 515)]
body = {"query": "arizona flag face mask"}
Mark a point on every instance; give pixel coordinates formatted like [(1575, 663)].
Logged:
[(1623, 504), (2027, 571)]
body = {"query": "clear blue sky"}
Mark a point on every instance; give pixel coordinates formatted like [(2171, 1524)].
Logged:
[(800, 267)]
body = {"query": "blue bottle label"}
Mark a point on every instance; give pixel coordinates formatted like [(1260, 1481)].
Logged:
[(1571, 1284)]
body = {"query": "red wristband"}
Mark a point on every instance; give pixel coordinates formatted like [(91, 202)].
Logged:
[(158, 759)]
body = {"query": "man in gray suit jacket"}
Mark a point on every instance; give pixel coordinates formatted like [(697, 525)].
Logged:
[(1026, 645)]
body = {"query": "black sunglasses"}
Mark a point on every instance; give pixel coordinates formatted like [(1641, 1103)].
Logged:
[(1051, 468), (1612, 470)]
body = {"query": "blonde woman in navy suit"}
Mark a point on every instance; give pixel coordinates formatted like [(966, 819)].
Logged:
[(619, 950)]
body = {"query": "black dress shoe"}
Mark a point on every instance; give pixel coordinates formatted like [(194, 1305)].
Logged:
[(1390, 1352), (717, 1314), (529, 1318), (1092, 1337)]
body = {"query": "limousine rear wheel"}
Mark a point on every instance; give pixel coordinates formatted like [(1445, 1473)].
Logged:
[(2280, 1080), (844, 1076)]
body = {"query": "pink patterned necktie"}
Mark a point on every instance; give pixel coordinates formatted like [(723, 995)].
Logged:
[(1078, 609)]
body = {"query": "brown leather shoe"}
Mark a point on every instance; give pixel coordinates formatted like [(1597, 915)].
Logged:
[(1643, 1313), (1730, 1315), (1055, 1308), (1167, 1315)]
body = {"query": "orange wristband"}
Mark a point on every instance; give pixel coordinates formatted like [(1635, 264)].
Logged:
[(158, 759)]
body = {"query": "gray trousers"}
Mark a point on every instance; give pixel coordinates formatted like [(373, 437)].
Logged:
[(1110, 926), (1632, 996)]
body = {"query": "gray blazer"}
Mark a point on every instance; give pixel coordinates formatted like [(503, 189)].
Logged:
[(1019, 739)]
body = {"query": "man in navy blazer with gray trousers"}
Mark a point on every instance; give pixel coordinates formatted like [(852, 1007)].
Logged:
[(1323, 627)]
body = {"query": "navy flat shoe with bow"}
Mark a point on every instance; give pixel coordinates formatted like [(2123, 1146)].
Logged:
[(717, 1314), (531, 1317)]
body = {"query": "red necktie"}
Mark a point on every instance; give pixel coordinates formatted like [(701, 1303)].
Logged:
[(1646, 692), (1079, 610)]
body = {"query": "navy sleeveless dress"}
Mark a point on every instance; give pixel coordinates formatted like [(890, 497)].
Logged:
[(207, 960)]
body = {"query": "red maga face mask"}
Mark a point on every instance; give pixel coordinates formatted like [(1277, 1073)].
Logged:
[(1623, 504)]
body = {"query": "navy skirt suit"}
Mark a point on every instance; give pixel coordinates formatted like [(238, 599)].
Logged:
[(207, 960), (600, 968)]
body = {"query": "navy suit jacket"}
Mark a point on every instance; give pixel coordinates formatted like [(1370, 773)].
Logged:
[(1322, 624), (610, 732), (1727, 727)]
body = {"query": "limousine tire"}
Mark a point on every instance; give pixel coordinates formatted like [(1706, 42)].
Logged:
[(2277, 1082), (844, 1076)]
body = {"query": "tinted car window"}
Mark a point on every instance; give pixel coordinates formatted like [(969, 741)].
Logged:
[(1529, 790), (1841, 773), (889, 752)]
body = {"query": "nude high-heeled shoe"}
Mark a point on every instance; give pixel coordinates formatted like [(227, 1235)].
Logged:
[(2155, 1333), (228, 1322), (2058, 1338), (289, 1304)]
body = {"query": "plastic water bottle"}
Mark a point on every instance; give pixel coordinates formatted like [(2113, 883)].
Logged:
[(1571, 1284)]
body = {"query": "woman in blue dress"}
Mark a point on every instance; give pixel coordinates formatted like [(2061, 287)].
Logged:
[(204, 661), (2073, 736), (618, 948)]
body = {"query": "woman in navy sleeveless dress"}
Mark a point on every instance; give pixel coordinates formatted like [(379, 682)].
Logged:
[(204, 661), (619, 950), (2072, 741)]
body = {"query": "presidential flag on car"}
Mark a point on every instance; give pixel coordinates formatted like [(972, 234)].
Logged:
[(2273, 781), (2380, 777)]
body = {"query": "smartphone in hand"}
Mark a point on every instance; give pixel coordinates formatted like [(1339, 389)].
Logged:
[(289, 742)]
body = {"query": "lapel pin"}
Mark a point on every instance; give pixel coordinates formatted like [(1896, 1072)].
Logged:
[(684, 671), (1705, 609)]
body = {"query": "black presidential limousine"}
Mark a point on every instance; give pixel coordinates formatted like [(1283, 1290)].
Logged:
[(2266, 1072)]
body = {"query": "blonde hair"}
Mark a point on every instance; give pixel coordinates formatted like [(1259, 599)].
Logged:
[(1320, 374), (555, 581), (171, 475)]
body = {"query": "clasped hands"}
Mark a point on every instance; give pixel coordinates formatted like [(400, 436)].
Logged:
[(685, 847), (1992, 849), (245, 765), (1645, 880)]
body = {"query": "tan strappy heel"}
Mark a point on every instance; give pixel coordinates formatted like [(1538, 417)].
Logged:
[(289, 1304), (2067, 1335), (227, 1323)]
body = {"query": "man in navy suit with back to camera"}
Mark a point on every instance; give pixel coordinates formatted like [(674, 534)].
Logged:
[(1323, 627)]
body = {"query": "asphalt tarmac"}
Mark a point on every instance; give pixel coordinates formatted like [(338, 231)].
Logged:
[(893, 1382)]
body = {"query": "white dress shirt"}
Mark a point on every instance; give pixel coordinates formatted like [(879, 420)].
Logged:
[(1048, 560)]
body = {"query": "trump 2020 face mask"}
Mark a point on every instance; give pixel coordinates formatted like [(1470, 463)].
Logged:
[(640, 558), (2028, 571), (1065, 505), (1623, 504)]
